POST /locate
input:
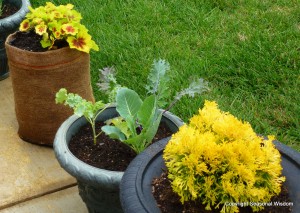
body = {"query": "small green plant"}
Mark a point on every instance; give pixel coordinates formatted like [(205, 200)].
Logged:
[(81, 107), (218, 159), (55, 23), (139, 119)]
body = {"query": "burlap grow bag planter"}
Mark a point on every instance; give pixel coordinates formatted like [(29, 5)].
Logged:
[(36, 77)]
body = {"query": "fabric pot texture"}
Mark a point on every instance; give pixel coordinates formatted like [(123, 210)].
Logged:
[(9, 25), (36, 77), (98, 188), (136, 190)]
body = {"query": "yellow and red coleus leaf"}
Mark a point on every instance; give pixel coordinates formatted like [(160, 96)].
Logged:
[(74, 16), (50, 6), (25, 25), (69, 29), (40, 29), (82, 42), (78, 43)]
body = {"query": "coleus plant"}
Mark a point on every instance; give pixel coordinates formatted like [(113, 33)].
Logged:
[(56, 23), (139, 119)]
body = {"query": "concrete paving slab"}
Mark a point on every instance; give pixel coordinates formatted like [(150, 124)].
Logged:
[(26, 170), (66, 201)]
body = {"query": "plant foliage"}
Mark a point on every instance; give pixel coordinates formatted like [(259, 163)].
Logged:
[(81, 107), (56, 23), (139, 119), (218, 159), (158, 81)]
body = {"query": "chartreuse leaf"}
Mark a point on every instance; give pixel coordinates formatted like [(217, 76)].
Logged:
[(61, 96), (113, 132), (73, 100), (80, 109), (120, 123), (85, 108)]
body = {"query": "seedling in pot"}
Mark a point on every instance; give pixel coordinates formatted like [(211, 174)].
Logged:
[(82, 107)]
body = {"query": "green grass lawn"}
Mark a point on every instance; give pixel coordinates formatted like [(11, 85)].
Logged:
[(249, 51)]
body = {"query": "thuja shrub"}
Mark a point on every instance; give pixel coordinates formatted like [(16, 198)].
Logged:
[(218, 159)]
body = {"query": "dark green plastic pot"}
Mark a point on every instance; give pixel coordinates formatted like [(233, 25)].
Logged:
[(136, 190), (98, 188), (9, 25)]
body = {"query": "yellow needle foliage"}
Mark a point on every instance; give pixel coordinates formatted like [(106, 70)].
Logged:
[(218, 159)]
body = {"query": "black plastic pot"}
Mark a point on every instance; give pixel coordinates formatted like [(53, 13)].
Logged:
[(135, 189), (9, 25), (98, 188)]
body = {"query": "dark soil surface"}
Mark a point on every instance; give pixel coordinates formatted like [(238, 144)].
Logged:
[(107, 153), (28, 41), (8, 10), (168, 201), (31, 41)]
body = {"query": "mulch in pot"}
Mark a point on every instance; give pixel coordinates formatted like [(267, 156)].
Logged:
[(168, 201), (107, 154)]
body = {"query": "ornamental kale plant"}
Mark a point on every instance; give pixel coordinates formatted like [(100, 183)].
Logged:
[(81, 107), (56, 23), (139, 119), (218, 159)]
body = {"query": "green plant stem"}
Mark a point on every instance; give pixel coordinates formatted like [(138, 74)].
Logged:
[(94, 132), (93, 124), (170, 105)]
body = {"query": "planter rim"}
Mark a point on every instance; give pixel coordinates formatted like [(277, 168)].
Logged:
[(288, 152)]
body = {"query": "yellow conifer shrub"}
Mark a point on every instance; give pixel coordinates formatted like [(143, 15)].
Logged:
[(218, 159)]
